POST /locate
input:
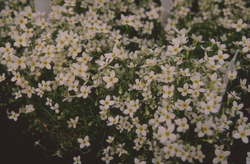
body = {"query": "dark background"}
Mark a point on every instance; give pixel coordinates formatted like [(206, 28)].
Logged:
[(17, 147)]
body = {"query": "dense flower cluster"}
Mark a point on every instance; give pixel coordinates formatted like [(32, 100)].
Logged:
[(110, 75)]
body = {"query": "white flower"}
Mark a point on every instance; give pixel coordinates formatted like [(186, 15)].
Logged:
[(41, 22), (166, 134), (110, 139), (196, 79), (74, 122), (29, 109), (236, 106), (209, 107), (137, 161), (73, 85), (18, 62), (29, 91), (150, 77), (184, 91), (129, 110), (242, 83), (248, 158), (154, 122), (182, 124), (37, 142), (127, 20), (232, 75), (239, 25), (168, 91), (221, 156), (200, 156), (48, 101), (80, 69), (147, 95), (84, 142), (185, 72), (56, 108), (111, 56), (102, 28), (7, 49), (242, 133), (85, 90), (33, 64), (107, 158), (204, 128), (107, 102), (158, 160), (61, 78), (46, 85), (247, 47), (45, 62), (175, 48), (152, 14), (18, 94), (141, 129), (21, 21), (184, 104), (20, 40), (112, 120), (16, 77), (59, 153), (111, 79), (167, 116), (14, 116), (220, 57), (183, 10), (77, 160), (2, 77), (197, 38)]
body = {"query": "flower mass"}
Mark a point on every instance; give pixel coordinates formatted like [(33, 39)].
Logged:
[(109, 75)]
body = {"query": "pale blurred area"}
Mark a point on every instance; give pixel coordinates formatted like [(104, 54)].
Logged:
[(43, 6), (166, 5)]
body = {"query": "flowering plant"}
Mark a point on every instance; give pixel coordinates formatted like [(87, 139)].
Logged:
[(110, 76)]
